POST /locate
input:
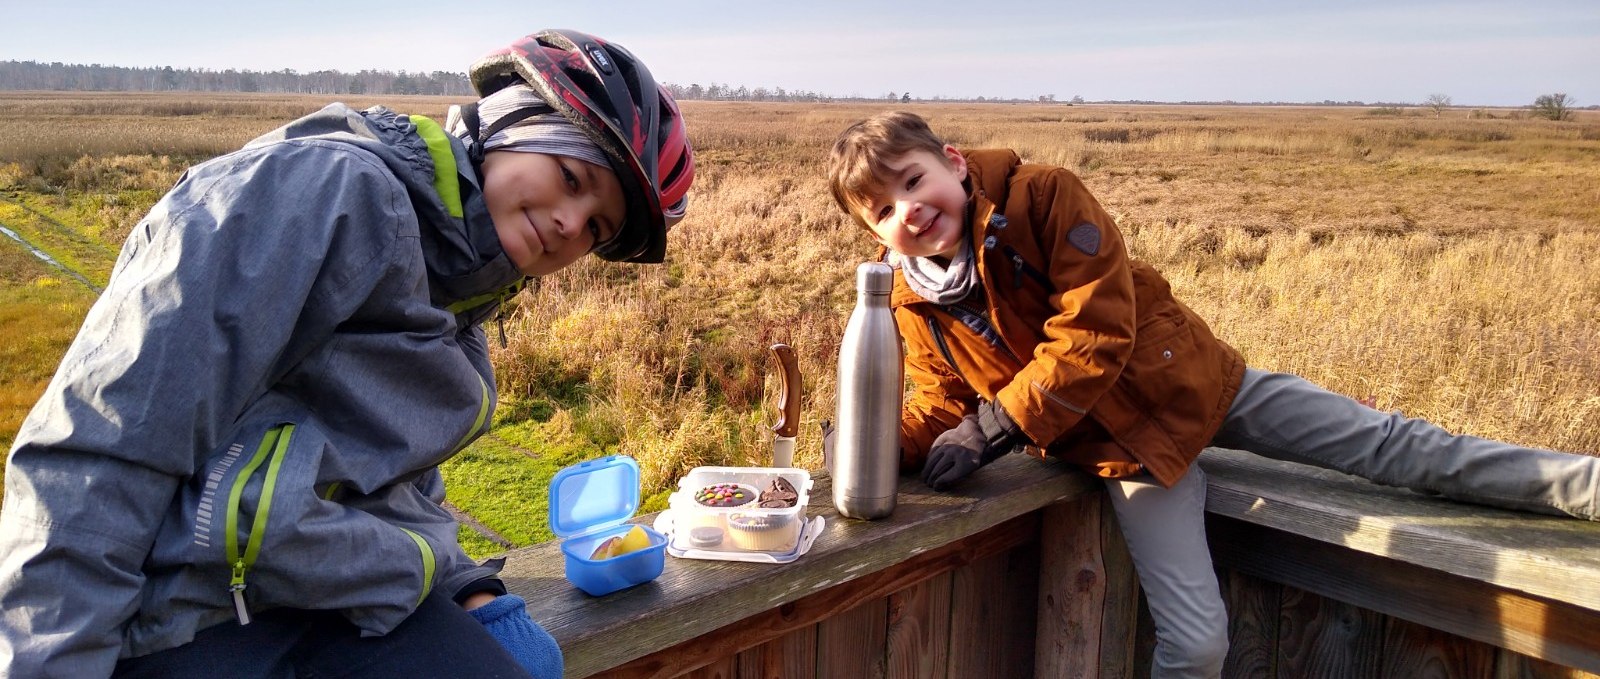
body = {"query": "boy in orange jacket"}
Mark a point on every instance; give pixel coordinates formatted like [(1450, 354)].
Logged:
[(1026, 323)]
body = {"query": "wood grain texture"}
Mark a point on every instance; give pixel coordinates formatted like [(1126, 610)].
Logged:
[(1549, 630), (919, 630), (993, 631), (760, 628), (1546, 556), (694, 597), (1512, 665), (1019, 598), (790, 656), (1072, 591), (1320, 638), (853, 643), (1411, 651), (1254, 606), (726, 668), (1119, 620)]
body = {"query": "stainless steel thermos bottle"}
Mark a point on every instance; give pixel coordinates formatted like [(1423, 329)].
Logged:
[(866, 450)]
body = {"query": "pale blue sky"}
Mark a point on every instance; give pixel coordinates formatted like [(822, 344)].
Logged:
[(1478, 53)]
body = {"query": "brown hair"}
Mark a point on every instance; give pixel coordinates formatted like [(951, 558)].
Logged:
[(856, 164)]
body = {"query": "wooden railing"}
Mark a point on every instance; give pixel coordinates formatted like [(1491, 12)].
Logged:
[(1023, 573)]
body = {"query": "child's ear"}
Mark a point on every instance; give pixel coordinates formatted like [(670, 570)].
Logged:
[(958, 162)]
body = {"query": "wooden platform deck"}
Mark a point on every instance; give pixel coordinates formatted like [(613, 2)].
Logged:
[(1022, 573)]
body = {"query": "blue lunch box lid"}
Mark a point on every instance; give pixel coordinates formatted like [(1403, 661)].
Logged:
[(594, 495)]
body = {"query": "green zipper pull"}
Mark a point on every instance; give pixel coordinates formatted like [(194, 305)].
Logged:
[(236, 586)]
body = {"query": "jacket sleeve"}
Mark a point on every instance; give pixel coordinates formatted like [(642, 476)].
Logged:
[(247, 263), (1090, 337), (938, 398)]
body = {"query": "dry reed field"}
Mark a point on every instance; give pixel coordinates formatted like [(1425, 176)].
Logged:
[(1437, 266)]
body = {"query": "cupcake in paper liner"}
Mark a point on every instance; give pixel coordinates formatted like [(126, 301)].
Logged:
[(763, 532)]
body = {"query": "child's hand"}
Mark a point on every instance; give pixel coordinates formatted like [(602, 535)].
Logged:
[(981, 438), (955, 454)]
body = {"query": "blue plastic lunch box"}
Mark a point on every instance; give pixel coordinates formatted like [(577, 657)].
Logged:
[(591, 501)]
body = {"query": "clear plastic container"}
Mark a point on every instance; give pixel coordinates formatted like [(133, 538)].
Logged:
[(741, 527), (589, 503)]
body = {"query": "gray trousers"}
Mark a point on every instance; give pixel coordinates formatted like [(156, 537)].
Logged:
[(1288, 418)]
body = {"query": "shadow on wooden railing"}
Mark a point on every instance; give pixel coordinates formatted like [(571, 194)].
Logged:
[(1023, 573)]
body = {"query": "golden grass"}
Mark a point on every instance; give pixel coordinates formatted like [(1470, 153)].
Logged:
[(1435, 264)]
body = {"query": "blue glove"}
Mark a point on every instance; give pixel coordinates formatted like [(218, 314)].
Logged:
[(506, 619)]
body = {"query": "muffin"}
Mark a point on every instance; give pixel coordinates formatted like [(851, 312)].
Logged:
[(763, 532)]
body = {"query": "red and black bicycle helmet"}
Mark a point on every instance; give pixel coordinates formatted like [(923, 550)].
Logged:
[(612, 97)]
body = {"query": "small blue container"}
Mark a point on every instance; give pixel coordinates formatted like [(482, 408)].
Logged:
[(590, 502)]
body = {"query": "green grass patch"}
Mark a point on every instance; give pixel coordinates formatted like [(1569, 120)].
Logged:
[(475, 545), (69, 245), (498, 482), (40, 311)]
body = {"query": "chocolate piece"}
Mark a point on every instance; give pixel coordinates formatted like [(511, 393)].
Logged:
[(780, 493)]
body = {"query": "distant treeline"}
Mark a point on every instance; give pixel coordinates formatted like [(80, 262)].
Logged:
[(32, 75), (56, 76)]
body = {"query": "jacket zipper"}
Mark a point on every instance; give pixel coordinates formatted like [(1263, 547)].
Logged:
[(272, 445), (1021, 268), (938, 339)]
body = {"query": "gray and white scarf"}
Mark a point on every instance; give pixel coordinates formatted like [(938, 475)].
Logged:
[(549, 133), (940, 284)]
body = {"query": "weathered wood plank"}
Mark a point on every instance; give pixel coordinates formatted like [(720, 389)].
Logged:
[(791, 656), (993, 631), (1414, 651), (1513, 665), (1253, 609), (1144, 639), (771, 624), (1550, 557), (853, 643), (722, 669), (1320, 638), (1549, 630), (1072, 590), (1119, 620), (1019, 600), (974, 634), (919, 630), (693, 598)]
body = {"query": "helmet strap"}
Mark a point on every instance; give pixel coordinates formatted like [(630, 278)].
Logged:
[(469, 115)]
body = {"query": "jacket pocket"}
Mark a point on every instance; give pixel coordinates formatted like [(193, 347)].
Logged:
[(266, 462)]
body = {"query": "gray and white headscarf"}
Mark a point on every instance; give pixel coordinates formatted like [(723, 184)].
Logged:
[(940, 284), (549, 133)]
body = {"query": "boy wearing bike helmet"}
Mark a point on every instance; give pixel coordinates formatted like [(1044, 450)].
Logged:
[(235, 470), (1027, 326)]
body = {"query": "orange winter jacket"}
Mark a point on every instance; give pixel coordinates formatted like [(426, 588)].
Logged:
[(1086, 349)]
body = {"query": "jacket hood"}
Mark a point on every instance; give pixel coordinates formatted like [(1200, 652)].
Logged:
[(463, 253)]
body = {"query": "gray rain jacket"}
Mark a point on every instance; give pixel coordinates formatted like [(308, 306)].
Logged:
[(253, 412)]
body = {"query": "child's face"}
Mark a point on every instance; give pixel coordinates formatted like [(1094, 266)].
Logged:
[(550, 210), (921, 209)]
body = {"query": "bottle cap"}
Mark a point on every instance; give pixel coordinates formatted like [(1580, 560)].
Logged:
[(875, 278)]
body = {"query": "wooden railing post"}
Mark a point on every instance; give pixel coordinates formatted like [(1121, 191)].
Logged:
[(1088, 598)]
